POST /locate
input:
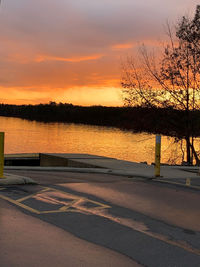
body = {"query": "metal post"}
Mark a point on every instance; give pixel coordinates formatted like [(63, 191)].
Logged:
[(157, 155), (1, 154), (188, 182)]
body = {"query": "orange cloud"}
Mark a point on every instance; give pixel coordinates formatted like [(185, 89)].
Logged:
[(137, 44), (42, 58), (122, 46)]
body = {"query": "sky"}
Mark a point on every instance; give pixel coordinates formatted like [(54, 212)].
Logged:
[(71, 51)]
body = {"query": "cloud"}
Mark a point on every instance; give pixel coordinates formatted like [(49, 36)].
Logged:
[(53, 46), (121, 46), (41, 58)]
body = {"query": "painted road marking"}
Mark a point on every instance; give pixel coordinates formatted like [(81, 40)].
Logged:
[(78, 204), (19, 204), (47, 197), (29, 196)]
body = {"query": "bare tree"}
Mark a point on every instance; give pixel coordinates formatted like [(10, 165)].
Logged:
[(172, 80)]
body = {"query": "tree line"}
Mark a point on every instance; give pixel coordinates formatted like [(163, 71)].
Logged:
[(167, 121)]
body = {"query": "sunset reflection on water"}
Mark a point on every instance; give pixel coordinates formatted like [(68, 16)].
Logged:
[(23, 136)]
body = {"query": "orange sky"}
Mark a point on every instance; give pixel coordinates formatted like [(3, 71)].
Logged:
[(70, 51)]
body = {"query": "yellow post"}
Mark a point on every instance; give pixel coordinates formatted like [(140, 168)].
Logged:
[(157, 155), (188, 182), (1, 154)]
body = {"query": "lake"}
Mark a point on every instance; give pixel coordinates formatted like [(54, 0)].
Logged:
[(23, 136)]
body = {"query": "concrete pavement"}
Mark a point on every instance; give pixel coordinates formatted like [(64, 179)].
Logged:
[(85, 163)]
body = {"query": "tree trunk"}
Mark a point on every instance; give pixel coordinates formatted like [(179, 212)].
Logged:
[(188, 150), (192, 150), (195, 154)]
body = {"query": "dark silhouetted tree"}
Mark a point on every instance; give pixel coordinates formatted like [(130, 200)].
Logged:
[(173, 79)]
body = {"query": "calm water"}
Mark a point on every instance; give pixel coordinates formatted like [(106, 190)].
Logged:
[(24, 136)]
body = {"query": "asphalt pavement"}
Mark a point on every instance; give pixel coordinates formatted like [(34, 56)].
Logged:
[(80, 219)]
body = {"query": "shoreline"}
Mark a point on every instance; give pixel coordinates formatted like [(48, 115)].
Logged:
[(167, 122)]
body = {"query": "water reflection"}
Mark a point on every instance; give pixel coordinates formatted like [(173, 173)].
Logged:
[(24, 136)]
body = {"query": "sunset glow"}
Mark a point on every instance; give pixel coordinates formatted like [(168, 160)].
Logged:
[(71, 51)]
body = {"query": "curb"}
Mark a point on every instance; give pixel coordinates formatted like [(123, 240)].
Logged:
[(177, 184), (20, 180), (82, 170), (11, 179)]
